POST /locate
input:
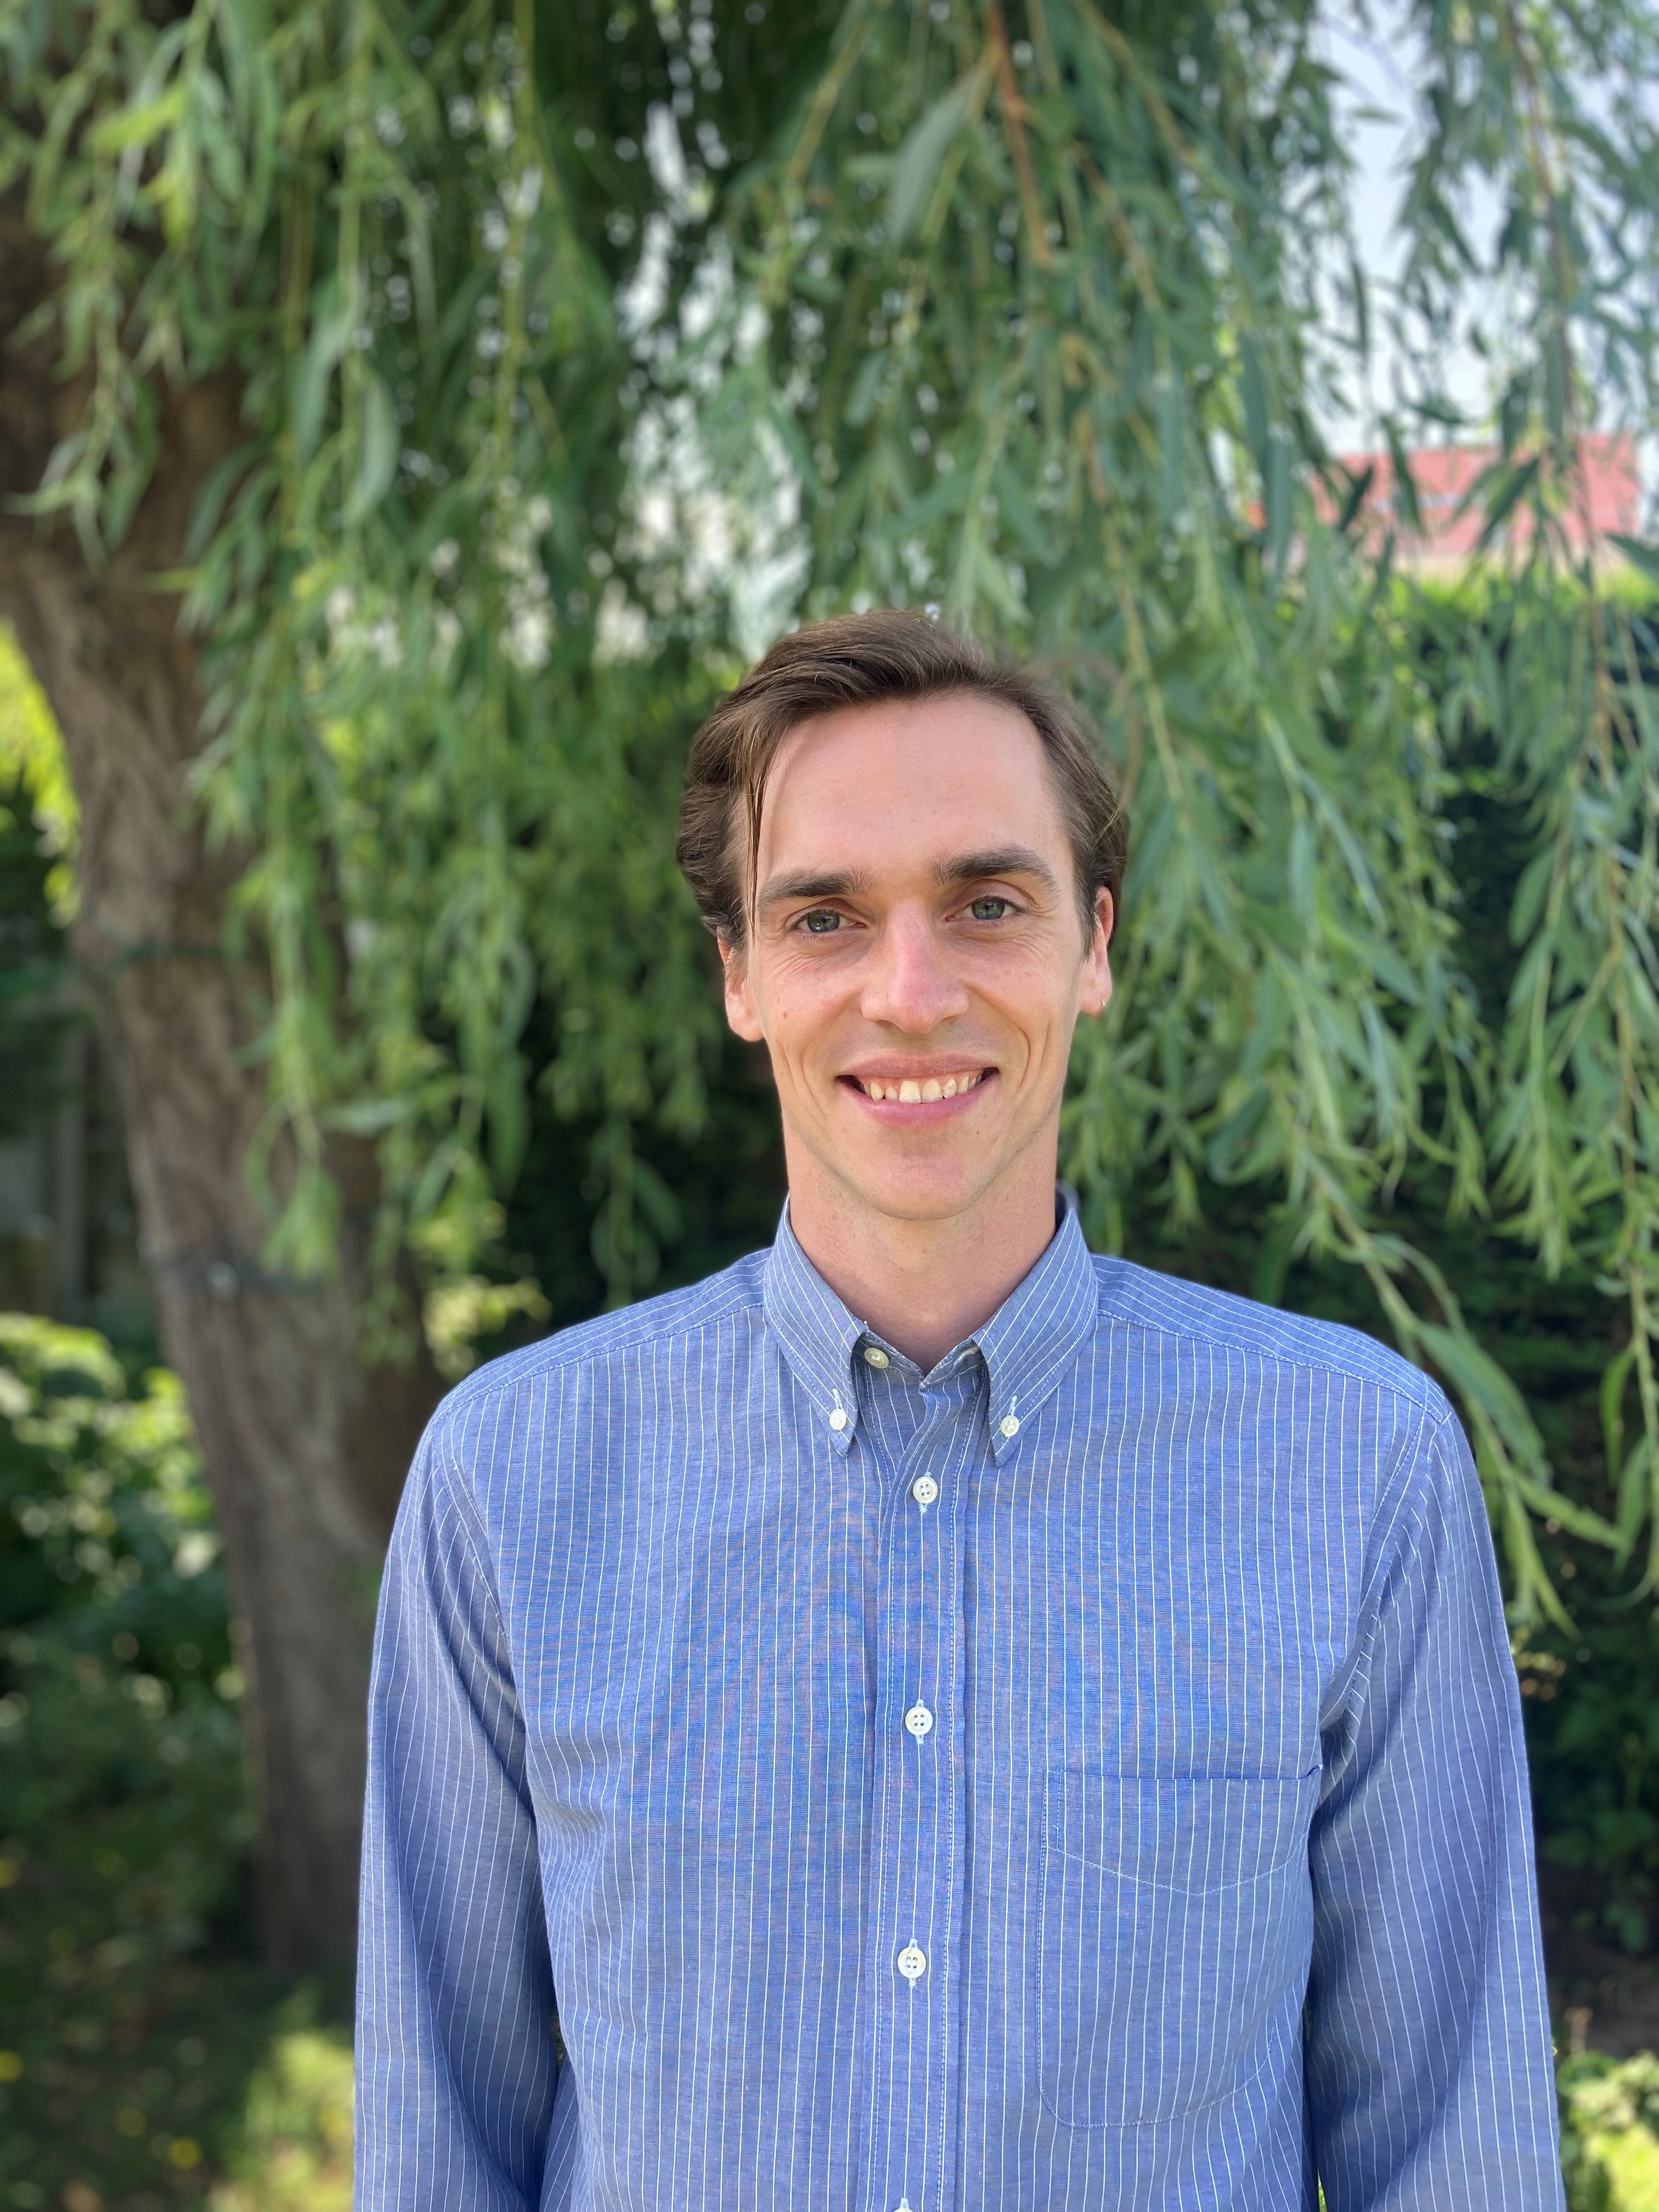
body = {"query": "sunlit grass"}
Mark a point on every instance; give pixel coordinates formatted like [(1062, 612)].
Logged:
[(295, 2149)]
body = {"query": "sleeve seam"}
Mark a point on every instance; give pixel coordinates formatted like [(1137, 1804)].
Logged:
[(1397, 1525), (469, 1524)]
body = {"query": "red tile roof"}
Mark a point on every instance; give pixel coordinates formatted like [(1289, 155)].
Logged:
[(1609, 498)]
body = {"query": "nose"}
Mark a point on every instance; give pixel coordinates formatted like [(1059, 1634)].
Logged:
[(908, 982)]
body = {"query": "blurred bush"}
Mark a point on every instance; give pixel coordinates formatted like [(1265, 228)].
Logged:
[(105, 1531), (132, 2015), (294, 2154), (1610, 2132)]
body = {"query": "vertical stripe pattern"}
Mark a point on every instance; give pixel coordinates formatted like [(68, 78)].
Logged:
[(1087, 1775)]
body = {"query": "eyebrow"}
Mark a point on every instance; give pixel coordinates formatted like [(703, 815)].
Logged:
[(844, 883), (1002, 860), (960, 868)]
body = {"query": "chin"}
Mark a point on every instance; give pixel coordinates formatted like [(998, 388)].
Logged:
[(923, 1194)]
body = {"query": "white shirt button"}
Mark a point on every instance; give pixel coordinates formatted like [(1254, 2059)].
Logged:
[(1009, 1424), (924, 1490), (874, 1356), (838, 1419), (919, 1720), (913, 1962)]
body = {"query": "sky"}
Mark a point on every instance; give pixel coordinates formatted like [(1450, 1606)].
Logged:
[(1383, 127)]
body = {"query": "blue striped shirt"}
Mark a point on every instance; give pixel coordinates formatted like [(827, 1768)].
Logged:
[(1089, 1774)]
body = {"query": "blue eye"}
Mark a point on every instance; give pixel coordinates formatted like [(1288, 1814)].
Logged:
[(990, 908), (820, 922)]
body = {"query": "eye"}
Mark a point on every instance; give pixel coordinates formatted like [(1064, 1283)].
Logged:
[(990, 907), (821, 923)]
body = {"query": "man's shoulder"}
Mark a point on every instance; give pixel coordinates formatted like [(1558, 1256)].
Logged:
[(1139, 1297), (653, 1324)]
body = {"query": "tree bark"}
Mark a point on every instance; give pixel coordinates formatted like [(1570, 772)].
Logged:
[(304, 1445)]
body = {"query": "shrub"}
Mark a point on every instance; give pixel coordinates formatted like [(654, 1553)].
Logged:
[(133, 2012)]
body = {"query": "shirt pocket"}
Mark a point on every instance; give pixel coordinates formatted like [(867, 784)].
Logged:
[(1176, 1930)]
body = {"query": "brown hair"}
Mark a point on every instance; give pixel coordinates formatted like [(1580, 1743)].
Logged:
[(858, 660)]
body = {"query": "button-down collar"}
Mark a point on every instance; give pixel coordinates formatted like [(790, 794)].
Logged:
[(1038, 1330), (1027, 1344), (816, 1334)]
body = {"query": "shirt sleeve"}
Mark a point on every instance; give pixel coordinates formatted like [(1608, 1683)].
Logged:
[(456, 2064), (1428, 2067)]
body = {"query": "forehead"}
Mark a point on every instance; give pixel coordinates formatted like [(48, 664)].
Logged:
[(891, 787)]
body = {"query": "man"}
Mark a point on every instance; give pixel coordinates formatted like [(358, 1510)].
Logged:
[(944, 1720)]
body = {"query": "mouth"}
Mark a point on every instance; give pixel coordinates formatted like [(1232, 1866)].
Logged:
[(919, 1090)]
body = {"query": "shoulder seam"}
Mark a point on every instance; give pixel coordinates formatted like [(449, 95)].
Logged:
[(1423, 1403), (470, 1390)]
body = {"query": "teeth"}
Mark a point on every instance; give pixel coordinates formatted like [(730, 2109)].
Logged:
[(912, 1093)]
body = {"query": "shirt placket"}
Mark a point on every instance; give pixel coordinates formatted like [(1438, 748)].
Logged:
[(918, 1855)]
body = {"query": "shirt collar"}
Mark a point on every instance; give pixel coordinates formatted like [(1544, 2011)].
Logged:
[(1036, 1333), (815, 1332), (1027, 1344)]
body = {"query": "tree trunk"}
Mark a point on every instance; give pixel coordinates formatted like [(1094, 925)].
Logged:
[(305, 1446)]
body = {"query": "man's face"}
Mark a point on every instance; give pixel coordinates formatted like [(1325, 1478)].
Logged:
[(916, 962)]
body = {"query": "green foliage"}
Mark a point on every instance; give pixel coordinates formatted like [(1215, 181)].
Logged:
[(35, 975), (133, 2014), (33, 971), (130, 2038), (106, 1534), (1609, 2131), (32, 766), (294, 2151), (577, 352)]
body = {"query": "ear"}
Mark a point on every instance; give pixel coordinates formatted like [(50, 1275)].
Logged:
[(1096, 994), (740, 1008)]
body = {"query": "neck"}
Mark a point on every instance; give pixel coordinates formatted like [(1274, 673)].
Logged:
[(923, 1284)]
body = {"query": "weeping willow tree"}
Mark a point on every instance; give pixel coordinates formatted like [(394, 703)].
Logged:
[(413, 413)]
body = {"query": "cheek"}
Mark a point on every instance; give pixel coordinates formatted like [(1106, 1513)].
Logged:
[(1026, 1001), (803, 995)]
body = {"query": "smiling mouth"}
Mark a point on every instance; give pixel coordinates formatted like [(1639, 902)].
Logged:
[(911, 1092)]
